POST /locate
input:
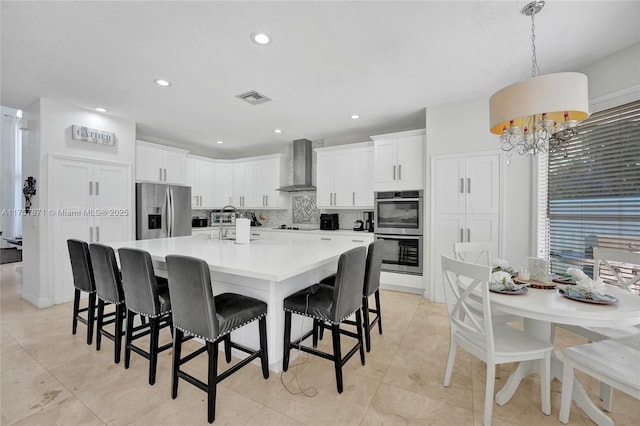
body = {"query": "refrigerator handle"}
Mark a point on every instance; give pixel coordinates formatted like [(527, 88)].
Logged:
[(169, 213), (173, 216)]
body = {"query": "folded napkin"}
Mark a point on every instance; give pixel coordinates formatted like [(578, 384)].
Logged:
[(585, 284), (503, 265), (502, 280)]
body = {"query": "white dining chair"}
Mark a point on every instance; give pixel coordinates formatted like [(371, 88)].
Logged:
[(472, 328), (614, 362), (474, 252), (609, 260)]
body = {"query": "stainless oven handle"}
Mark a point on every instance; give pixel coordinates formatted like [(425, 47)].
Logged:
[(397, 237)]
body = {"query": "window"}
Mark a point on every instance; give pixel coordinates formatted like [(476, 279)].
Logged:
[(592, 192)]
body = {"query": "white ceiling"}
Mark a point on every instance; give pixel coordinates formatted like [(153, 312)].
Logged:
[(383, 60)]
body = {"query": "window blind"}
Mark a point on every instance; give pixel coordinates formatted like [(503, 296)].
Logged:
[(593, 197)]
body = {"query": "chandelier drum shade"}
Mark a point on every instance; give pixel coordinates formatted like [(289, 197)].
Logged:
[(553, 94), (539, 114)]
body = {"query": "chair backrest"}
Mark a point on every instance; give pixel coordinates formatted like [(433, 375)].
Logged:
[(192, 303), (475, 252), (106, 273), (81, 265), (621, 259), (467, 297), (373, 267), (347, 291), (139, 281)]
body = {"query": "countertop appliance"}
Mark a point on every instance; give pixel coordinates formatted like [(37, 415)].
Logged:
[(358, 225), (199, 222), (162, 210), (368, 221), (329, 222)]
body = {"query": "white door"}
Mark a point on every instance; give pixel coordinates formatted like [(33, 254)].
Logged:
[(409, 158), (267, 178), (112, 199), (448, 185), (205, 177), (190, 179), (362, 177), (173, 164), (482, 185), (385, 161), (448, 229), (222, 184), (324, 181), (342, 189)]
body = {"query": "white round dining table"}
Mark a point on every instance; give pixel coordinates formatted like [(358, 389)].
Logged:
[(541, 308)]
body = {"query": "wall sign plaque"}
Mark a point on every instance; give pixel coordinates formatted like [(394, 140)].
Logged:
[(82, 133)]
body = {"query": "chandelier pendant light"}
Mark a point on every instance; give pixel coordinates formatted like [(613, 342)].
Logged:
[(539, 114)]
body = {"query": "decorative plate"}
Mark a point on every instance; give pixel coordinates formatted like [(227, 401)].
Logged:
[(563, 281), (598, 299), (521, 290)]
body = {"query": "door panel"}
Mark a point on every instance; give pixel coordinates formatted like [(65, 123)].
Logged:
[(362, 177), (483, 184), (448, 187)]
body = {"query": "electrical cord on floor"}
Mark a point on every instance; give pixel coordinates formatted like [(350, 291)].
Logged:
[(310, 391)]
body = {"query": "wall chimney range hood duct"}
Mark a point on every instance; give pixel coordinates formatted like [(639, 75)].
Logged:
[(302, 167)]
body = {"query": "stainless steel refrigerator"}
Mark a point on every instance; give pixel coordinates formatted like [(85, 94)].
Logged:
[(162, 210)]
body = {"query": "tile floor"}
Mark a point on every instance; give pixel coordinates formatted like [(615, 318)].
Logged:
[(49, 376)]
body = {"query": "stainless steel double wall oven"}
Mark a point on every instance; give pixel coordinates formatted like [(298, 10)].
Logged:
[(399, 216)]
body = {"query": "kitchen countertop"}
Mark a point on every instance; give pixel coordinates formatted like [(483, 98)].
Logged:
[(346, 232), (273, 260)]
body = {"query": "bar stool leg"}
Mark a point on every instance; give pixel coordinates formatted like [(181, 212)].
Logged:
[(227, 347), (177, 349), (153, 349), (287, 341), (76, 308), (118, 332), (337, 354), (128, 338), (99, 324), (367, 329), (264, 357), (360, 343), (91, 312), (378, 313), (212, 350)]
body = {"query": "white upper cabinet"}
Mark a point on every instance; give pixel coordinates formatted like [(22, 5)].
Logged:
[(345, 176), (398, 159), (270, 174), (243, 188), (200, 177), (222, 182), (158, 163)]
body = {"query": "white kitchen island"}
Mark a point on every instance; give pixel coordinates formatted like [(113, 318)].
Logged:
[(269, 270)]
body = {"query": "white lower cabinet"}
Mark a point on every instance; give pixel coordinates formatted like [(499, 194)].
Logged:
[(90, 201)]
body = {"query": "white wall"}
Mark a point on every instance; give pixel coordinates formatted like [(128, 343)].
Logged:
[(618, 71), (50, 124)]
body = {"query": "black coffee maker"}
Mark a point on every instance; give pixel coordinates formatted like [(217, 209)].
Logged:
[(368, 221)]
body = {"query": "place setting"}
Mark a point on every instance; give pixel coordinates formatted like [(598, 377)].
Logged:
[(502, 279), (585, 289)]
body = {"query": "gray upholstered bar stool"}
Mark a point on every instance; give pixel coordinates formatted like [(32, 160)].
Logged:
[(197, 313), (83, 282), (110, 292), (330, 304), (144, 297), (371, 288)]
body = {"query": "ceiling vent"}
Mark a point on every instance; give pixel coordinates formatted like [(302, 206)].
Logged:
[(252, 97)]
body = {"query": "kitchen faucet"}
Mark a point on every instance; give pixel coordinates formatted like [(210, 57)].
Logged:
[(235, 212)]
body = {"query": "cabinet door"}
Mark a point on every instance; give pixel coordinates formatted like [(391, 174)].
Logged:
[(385, 158), (409, 157), (342, 189), (222, 184), (324, 181), (482, 185), (190, 179), (448, 230), (237, 184), (112, 197), (149, 164), (484, 227), (205, 178), (267, 178), (173, 164), (448, 183), (362, 178)]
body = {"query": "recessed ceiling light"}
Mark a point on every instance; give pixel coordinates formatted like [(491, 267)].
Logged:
[(100, 109), (219, 142), (355, 116), (260, 38), (163, 83), (277, 131)]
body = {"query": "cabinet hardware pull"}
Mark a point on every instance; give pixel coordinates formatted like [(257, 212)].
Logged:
[(90, 188), (160, 170), (394, 172), (354, 198), (468, 234), (399, 171), (165, 175), (97, 188), (91, 234), (357, 241), (97, 233), (267, 200), (469, 185), (325, 239), (462, 185), (461, 235)]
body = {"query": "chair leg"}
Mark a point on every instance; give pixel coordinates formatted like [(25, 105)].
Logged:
[(99, 324), (367, 330), (360, 342), (76, 308), (337, 354), (177, 349), (316, 329), (91, 312), (606, 395), (379, 313), (450, 361), (264, 358), (153, 349), (212, 350), (545, 383), (118, 333), (567, 392), (287, 341), (128, 338), (488, 393), (227, 348)]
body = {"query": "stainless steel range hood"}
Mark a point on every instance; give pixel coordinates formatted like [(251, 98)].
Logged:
[(302, 167)]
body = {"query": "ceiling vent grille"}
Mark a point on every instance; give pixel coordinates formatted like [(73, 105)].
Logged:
[(252, 97)]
